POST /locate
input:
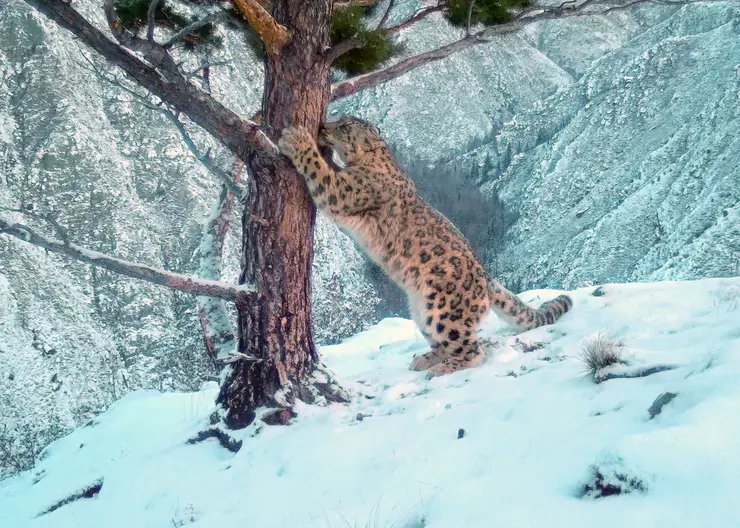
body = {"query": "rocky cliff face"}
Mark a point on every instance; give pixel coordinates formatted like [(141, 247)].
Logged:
[(612, 141), (609, 146)]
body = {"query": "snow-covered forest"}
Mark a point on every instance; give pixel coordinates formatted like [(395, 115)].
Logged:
[(593, 150)]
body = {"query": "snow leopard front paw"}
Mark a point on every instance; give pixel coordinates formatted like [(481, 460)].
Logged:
[(294, 142)]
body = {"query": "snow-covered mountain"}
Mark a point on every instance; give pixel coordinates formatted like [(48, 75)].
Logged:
[(526, 439), (612, 141)]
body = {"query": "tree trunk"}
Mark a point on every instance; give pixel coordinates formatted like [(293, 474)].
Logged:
[(278, 221)]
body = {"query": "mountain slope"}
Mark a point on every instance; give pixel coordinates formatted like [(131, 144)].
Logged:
[(524, 440)]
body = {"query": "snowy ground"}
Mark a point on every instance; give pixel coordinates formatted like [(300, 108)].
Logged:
[(535, 432)]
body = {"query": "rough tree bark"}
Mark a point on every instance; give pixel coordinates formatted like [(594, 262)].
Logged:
[(278, 230)]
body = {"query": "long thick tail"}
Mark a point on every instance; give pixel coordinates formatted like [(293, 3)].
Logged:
[(513, 310)]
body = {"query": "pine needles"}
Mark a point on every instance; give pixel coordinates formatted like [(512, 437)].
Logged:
[(378, 45)]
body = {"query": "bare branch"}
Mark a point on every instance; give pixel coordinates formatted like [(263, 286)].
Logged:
[(27, 210), (419, 15), (152, 51), (470, 16), (241, 136), (150, 19), (274, 35), (343, 47), (144, 101), (526, 12), (387, 13), (209, 65), (353, 3), (355, 84), (183, 283), (187, 30), (206, 158), (206, 76)]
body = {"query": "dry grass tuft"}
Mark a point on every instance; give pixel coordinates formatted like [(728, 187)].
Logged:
[(600, 352)]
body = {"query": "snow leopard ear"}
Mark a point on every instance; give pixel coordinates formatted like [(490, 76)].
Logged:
[(332, 158)]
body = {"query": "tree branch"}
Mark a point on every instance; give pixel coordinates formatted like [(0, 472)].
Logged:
[(419, 15), (187, 30), (368, 80), (209, 65), (343, 47), (205, 77), (471, 4), (183, 283), (27, 209), (274, 35), (153, 52), (526, 12), (387, 13), (144, 101), (241, 136), (206, 159), (150, 19), (353, 3), (214, 318)]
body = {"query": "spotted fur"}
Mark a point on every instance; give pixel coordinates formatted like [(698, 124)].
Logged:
[(373, 200)]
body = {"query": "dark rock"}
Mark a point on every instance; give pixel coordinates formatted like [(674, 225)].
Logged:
[(659, 403)]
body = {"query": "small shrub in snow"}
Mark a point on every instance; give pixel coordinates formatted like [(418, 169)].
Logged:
[(21, 445), (527, 347), (599, 352), (88, 492), (605, 482), (416, 521)]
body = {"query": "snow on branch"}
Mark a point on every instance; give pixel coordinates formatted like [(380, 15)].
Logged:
[(565, 10), (218, 332), (177, 281)]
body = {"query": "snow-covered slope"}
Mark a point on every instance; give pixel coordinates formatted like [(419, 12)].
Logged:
[(524, 440)]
